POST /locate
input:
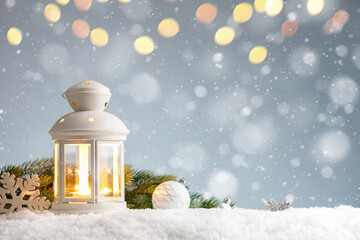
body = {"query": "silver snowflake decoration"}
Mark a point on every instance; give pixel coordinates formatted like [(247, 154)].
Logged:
[(272, 205), (18, 194)]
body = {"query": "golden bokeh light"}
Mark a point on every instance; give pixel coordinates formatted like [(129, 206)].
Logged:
[(83, 5), (124, 1), (206, 13), (273, 7), (52, 13), (242, 12), (80, 28), (259, 6), (14, 36), (62, 2), (314, 7), (144, 45), (99, 37), (224, 36), (257, 54), (168, 27), (289, 28)]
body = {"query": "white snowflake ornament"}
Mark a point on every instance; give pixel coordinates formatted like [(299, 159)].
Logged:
[(171, 195), (19, 194), (225, 204)]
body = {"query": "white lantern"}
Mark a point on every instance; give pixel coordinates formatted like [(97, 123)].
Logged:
[(89, 153)]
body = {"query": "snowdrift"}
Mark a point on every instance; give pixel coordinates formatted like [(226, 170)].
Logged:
[(307, 223)]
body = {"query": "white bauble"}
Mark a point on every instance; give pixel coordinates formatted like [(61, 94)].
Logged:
[(171, 195), (223, 205)]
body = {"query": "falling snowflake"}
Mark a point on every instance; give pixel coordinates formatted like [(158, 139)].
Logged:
[(18, 194)]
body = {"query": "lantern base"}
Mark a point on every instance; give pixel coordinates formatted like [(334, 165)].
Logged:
[(84, 208)]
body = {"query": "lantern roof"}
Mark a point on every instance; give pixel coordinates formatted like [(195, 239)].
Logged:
[(88, 87), (88, 122), (89, 125)]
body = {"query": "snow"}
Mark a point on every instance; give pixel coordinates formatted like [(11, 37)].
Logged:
[(307, 223)]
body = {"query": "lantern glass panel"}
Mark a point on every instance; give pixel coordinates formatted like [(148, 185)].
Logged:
[(56, 170), (77, 170), (110, 169)]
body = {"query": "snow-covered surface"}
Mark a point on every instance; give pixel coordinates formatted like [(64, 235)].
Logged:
[(307, 223)]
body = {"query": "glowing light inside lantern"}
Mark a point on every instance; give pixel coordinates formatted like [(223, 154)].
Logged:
[(273, 7), (52, 13), (80, 28), (206, 13), (99, 37), (144, 45), (83, 5), (224, 36), (14, 36), (91, 119), (116, 188), (84, 169), (168, 27), (259, 6), (105, 191), (62, 2), (242, 12), (257, 54), (314, 7), (124, 1)]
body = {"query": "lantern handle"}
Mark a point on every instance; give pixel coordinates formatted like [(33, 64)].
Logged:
[(64, 95)]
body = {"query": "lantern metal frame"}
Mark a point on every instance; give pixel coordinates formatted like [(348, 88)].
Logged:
[(76, 129)]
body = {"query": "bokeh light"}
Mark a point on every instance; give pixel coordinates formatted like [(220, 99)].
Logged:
[(340, 18), (327, 172), (14, 36), (336, 23), (124, 1), (332, 146), (289, 28), (144, 88), (183, 155), (257, 54), (62, 2), (83, 5), (222, 183), (242, 12), (80, 28), (314, 7), (206, 13), (144, 45), (304, 61), (52, 13), (224, 35), (168, 27), (102, 1), (343, 91), (273, 7), (99, 37), (259, 6)]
